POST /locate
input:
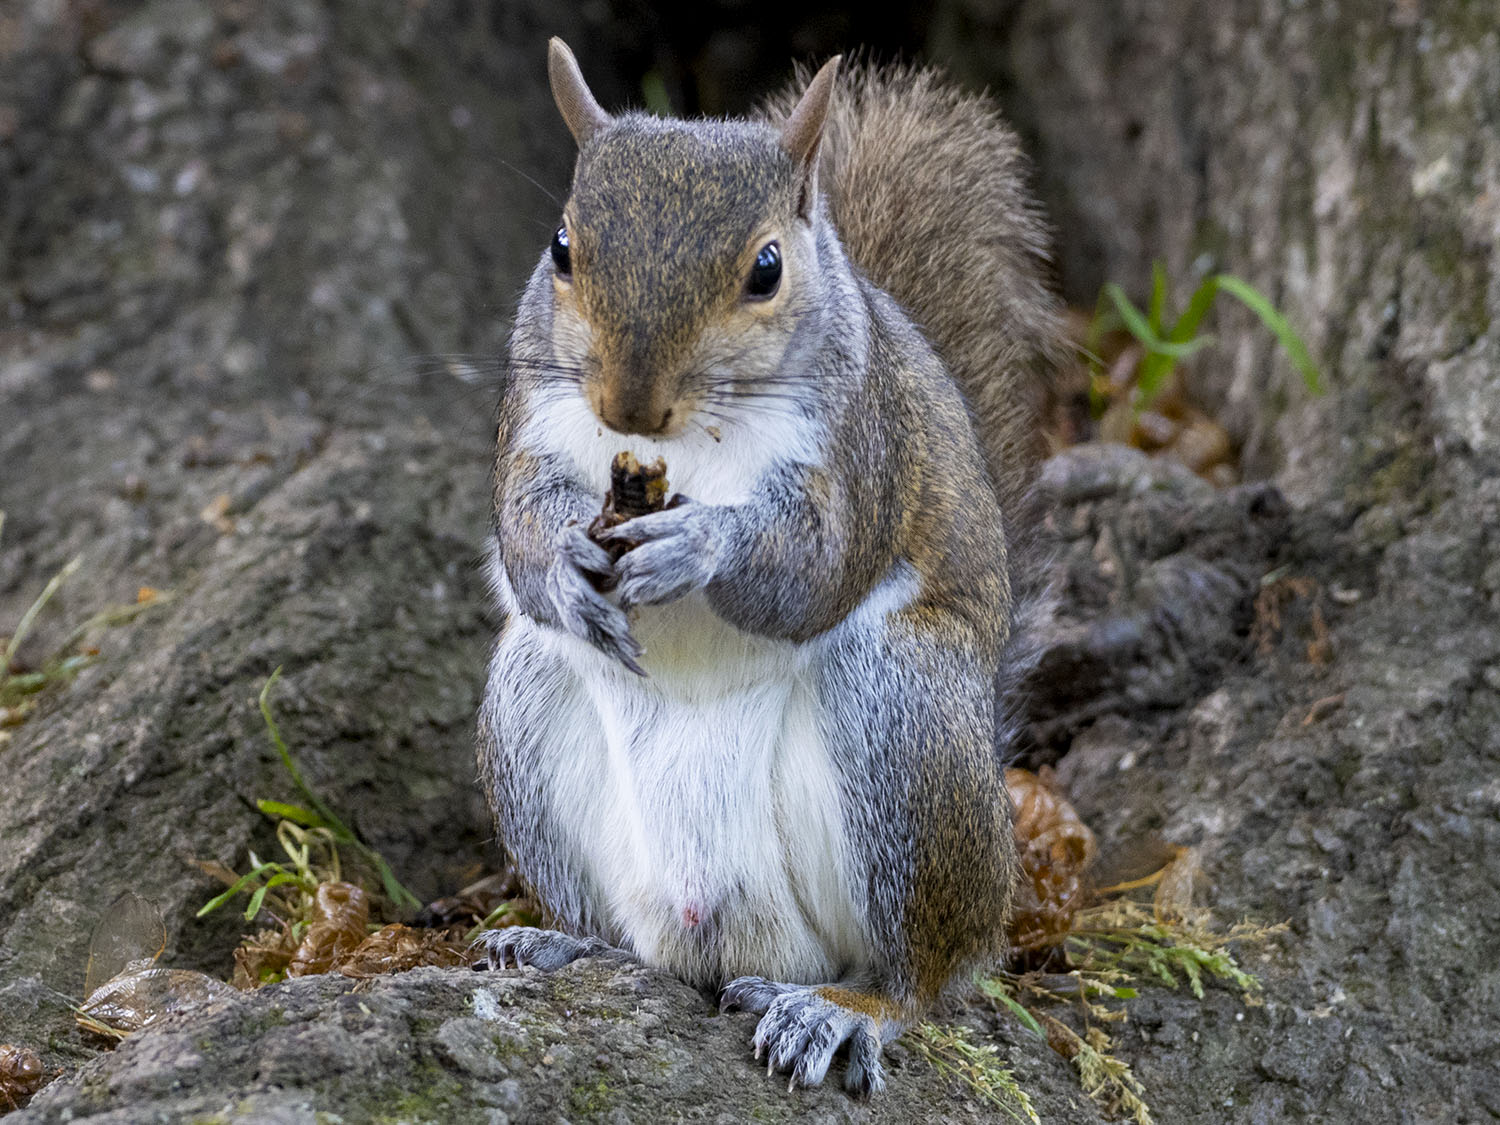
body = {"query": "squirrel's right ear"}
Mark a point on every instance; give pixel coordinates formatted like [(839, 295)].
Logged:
[(803, 130), (574, 101)]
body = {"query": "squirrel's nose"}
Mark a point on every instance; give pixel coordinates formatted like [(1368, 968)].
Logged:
[(648, 423), (633, 411)]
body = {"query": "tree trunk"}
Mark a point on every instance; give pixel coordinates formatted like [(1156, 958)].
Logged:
[(1343, 157)]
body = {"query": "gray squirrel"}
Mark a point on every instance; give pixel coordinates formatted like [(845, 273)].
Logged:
[(770, 760)]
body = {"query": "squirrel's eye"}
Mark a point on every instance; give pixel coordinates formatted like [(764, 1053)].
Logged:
[(561, 258), (765, 275)]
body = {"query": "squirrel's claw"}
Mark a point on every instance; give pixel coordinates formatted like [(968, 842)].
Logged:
[(547, 950), (577, 548), (673, 553), (751, 994), (800, 1030), (581, 609)]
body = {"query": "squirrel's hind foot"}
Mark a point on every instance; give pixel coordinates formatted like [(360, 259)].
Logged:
[(547, 950), (802, 1027)]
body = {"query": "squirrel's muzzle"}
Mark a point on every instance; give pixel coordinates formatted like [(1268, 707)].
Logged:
[(633, 404)]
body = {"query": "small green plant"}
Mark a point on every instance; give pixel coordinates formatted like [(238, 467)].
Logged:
[(1153, 949), (951, 1051), (654, 93), (1165, 344), (1111, 947), (19, 691), (299, 829), (1109, 1081), (312, 858)]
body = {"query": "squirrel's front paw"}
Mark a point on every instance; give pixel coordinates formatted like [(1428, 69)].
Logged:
[(672, 553), (802, 1028), (581, 609)]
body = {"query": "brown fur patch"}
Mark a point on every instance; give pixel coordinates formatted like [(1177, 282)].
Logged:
[(865, 1003)]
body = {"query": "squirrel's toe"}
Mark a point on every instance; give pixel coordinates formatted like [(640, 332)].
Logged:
[(520, 946), (801, 1030), (750, 994)]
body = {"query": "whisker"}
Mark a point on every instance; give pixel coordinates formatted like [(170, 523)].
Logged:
[(532, 181)]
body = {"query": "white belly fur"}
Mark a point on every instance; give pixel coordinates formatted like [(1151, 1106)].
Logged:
[(702, 799), (709, 818)]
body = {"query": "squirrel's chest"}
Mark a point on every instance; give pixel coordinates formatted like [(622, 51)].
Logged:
[(712, 829)]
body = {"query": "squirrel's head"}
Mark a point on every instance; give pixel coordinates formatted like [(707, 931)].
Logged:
[(685, 257)]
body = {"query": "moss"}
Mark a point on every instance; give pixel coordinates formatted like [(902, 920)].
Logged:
[(272, 1017), (430, 1093), (507, 1047), (591, 1101)]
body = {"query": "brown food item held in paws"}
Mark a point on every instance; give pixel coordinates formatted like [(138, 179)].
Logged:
[(634, 490)]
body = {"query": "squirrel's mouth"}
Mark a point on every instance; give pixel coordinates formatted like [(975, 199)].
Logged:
[(641, 412)]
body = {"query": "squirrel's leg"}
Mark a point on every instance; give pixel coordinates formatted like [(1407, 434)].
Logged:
[(547, 950), (803, 1026), (909, 710)]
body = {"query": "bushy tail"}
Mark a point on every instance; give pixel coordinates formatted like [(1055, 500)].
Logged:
[(926, 186)]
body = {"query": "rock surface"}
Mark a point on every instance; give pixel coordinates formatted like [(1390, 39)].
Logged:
[(225, 232), (598, 1041)]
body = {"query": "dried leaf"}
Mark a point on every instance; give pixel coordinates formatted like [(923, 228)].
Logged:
[(475, 902), (341, 912), (129, 934), (145, 992), (21, 1075), (263, 958), (1056, 849), (1173, 900), (397, 948)]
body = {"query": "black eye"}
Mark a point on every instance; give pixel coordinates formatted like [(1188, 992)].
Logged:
[(561, 258), (765, 275)]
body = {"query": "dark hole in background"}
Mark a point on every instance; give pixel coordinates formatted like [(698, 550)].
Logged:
[(723, 56)]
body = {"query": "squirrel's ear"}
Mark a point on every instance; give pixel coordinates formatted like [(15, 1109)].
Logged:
[(574, 101), (803, 130)]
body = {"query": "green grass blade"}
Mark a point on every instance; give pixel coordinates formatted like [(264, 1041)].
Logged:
[(240, 884), (28, 619), (333, 823), (1291, 343), (1104, 321), (1131, 317), (393, 888), (295, 813), (1154, 369), (1198, 306), (341, 831), (996, 991), (1157, 310), (654, 94)]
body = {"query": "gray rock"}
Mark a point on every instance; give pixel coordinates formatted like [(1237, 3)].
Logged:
[(459, 1046)]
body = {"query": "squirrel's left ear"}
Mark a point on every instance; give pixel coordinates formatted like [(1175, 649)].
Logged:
[(574, 100), (803, 130)]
